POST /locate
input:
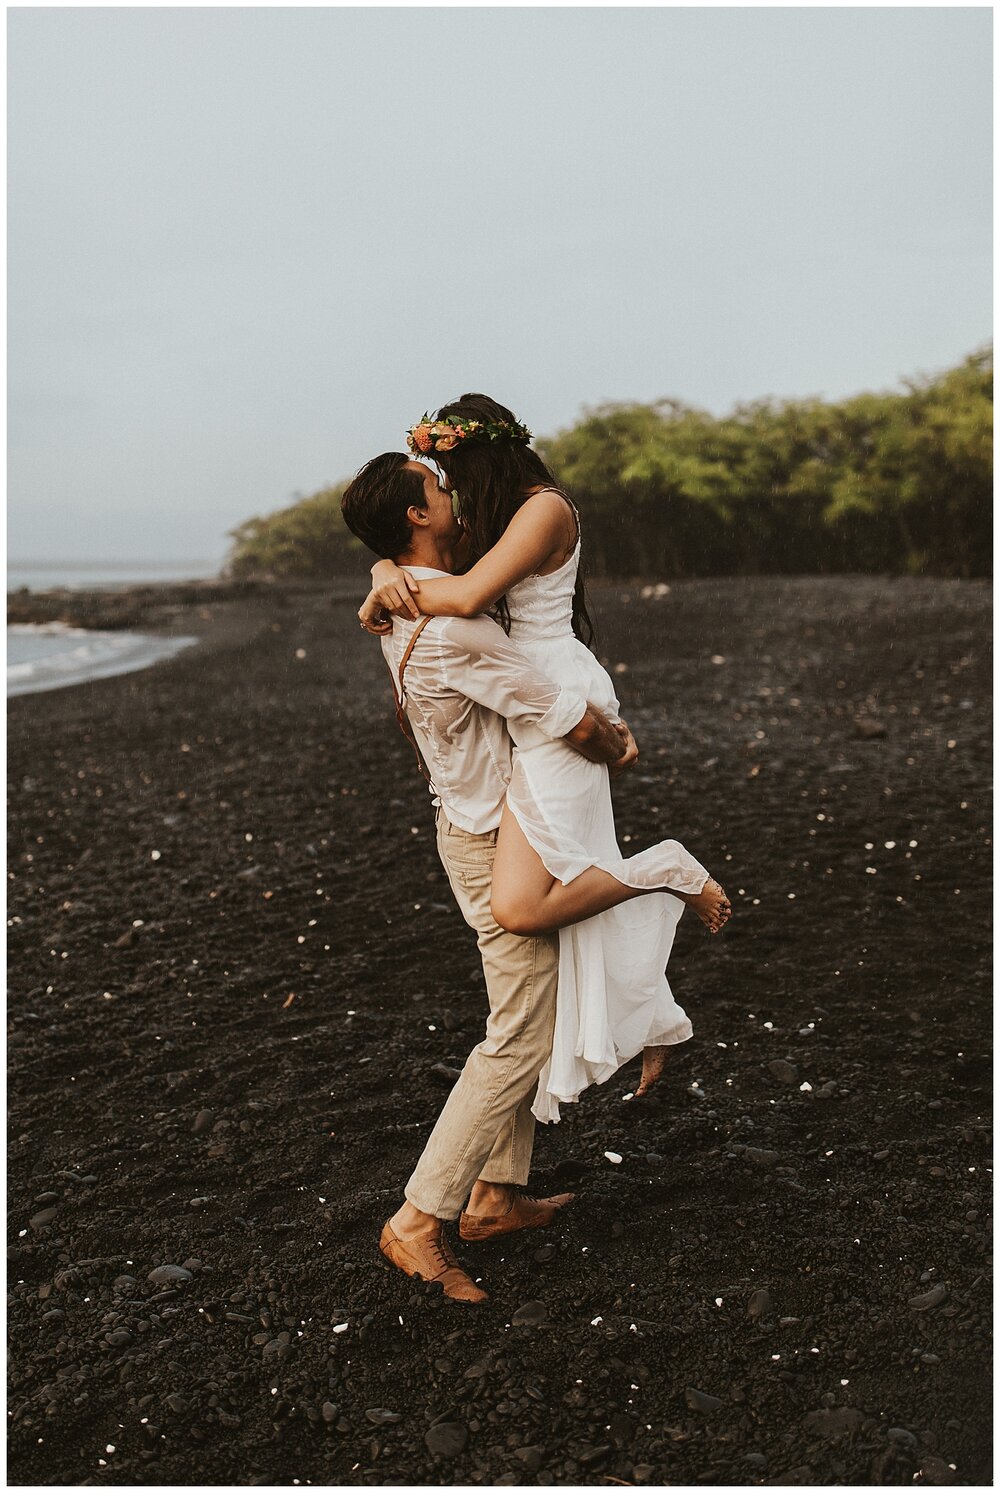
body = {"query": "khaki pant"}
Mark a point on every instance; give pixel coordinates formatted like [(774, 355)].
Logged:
[(486, 1128)]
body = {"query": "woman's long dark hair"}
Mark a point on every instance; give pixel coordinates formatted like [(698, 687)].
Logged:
[(493, 479)]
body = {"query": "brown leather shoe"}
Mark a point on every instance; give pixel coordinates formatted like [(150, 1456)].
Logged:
[(523, 1213), (431, 1258)]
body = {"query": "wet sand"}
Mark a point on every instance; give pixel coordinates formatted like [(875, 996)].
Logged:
[(235, 967)]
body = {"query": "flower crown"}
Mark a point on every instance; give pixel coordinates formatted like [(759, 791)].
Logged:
[(444, 435)]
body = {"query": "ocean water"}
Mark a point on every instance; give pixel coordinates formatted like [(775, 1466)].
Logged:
[(104, 575), (52, 655)]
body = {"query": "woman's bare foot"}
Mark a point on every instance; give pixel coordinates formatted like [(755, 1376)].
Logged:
[(654, 1061), (711, 904)]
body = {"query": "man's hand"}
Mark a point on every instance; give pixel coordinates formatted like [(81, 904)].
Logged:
[(631, 754), (372, 616), (598, 739)]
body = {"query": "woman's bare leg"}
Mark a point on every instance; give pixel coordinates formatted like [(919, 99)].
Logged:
[(527, 899)]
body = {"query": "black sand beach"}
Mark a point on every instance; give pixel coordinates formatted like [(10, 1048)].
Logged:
[(236, 972)]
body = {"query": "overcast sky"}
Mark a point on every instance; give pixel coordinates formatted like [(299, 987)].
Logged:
[(248, 248)]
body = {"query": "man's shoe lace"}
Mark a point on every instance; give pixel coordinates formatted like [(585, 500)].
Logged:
[(443, 1253)]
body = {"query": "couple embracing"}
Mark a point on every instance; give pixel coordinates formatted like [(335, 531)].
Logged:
[(518, 730)]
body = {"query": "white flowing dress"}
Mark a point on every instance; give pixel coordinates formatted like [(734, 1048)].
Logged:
[(613, 995)]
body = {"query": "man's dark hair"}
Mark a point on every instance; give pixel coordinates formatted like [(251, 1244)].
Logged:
[(374, 505)]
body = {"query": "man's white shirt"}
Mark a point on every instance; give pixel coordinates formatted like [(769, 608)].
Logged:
[(463, 682)]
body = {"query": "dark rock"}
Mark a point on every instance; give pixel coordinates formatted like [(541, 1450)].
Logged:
[(43, 1218), (592, 1455), (696, 1399), (442, 1073), (761, 1157), (530, 1314), (929, 1300), (168, 1275), (381, 1417), (785, 1073), (842, 1421), (935, 1470), (544, 1253), (759, 1304), (531, 1457), (447, 1439), (203, 1120), (569, 1171)]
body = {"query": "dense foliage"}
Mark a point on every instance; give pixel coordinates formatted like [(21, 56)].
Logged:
[(898, 482), (307, 539)]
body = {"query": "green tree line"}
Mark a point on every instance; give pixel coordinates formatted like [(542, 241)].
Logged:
[(896, 483)]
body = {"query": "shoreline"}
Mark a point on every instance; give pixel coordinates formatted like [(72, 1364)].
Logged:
[(205, 614), (148, 602), (154, 603), (222, 611), (77, 655)]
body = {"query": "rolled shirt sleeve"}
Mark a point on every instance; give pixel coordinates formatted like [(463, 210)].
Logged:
[(482, 663)]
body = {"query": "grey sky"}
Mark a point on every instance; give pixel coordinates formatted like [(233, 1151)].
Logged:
[(249, 247)]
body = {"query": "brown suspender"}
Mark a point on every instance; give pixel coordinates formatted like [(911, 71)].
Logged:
[(399, 694)]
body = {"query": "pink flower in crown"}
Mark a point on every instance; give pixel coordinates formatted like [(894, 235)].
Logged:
[(446, 437), (421, 437)]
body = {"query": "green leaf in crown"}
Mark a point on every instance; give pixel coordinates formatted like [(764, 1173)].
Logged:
[(429, 436)]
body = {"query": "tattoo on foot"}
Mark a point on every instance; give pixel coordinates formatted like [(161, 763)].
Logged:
[(711, 904)]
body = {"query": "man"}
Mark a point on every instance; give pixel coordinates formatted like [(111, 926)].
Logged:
[(462, 679)]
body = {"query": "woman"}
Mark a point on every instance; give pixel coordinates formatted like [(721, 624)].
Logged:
[(558, 865)]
